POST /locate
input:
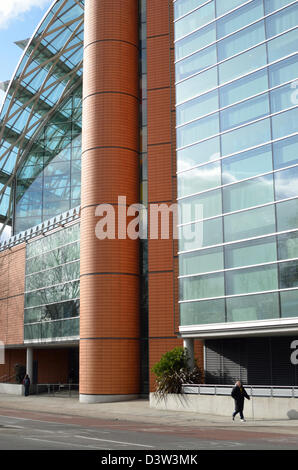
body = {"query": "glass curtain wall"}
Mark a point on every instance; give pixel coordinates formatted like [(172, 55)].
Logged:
[(237, 146), (52, 286), (49, 182)]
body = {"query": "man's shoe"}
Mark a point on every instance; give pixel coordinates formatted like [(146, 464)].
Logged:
[(233, 418), (243, 420)]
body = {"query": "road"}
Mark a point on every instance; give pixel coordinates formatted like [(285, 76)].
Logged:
[(27, 430)]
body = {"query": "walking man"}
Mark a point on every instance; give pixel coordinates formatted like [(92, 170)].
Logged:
[(239, 393)]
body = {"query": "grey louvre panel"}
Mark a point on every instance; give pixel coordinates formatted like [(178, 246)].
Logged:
[(258, 361), (283, 372), (231, 361), (213, 361)]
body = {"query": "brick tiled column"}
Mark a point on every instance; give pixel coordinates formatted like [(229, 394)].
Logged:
[(109, 328)]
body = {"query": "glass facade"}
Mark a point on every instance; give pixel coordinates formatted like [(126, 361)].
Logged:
[(52, 286), (237, 146)]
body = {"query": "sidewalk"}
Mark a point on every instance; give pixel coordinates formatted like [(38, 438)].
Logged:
[(140, 411)]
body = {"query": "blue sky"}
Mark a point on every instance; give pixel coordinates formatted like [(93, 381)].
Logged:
[(18, 20)]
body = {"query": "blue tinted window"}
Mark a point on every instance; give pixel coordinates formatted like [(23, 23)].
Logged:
[(195, 41), (282, 98), (287, 215), (243, 88), (225, 6), (201, 261), (250, 252), (282, 46), (240, 41), (286, 183), (288, 245), (241, 17), (194, 20), (285, 152), (199, 179), (200, 287), (288, 274), (246, 137), (200, 234), (198, 130), (201, 207), (200, 153), (251, 280), (283, 71), (202, 312), (196, 63), (248, 194), (197, 107), (281, 21), (247, 164), (244, 112), (289, 302), (181, 7), (272, 5), (253, 307), (285, 123), (249, 224), (242, 64), (196, 85)]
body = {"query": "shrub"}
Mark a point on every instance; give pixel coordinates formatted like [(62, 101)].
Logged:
[(172, 371)]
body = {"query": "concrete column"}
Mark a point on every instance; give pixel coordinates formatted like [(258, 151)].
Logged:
[(109, 282), (29, 363), (188, 343)]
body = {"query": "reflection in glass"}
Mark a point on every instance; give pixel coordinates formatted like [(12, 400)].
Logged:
[(251, 252), (287, 215), (288, 274), (200, 287), (248, 194), (285, 152), (253, 307), (201, 261), (286, 183), (289, 303), (288, 245), (251, 280), (251, 223), (247, 164), (199, 179), (203, 312)]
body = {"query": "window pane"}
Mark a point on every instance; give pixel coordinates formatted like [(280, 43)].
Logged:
[(243, 88), (199, 179), (224, 7), (246, 137), (289, 303), (198, 153), (196, 85), (201, 207), (252, 307), (281, 21), (198, 130), (194, 20), (241, 17), (197, 107), (287, 215), (244, 112), (242, 64), (248, 224), (205, 233), (203, 312), (288, 274), (272, 5), (281, 98), (251, 252), (288, 245), (195, 63), (195, 41), (201, 261), (241, 41), (285, 123), (286, 183), (282, 46), (181, 7), (251, 280), (247, 164), (283, 71), (200, 287), (248, 194), (285, 152)]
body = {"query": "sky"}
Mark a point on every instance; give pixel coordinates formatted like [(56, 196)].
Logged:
[(18, 20)]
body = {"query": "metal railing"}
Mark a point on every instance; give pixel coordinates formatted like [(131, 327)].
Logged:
[(59, 389), (276, 391)]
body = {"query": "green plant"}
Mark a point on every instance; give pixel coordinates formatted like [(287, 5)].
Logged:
[(172, 371)]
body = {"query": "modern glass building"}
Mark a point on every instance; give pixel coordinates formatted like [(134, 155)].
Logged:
[(237, 143), (157, 101)]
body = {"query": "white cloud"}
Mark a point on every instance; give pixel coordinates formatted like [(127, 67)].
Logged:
[(12, 9)]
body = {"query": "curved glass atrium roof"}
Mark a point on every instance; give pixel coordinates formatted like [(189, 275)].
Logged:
[(40, 122)]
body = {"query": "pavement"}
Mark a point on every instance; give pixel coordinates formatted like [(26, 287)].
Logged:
[(137, 411)]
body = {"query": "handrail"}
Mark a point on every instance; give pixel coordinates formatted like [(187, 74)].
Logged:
[(255, 390), (60, 387)]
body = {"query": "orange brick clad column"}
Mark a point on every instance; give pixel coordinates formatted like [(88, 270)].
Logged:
[(109, 317)]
